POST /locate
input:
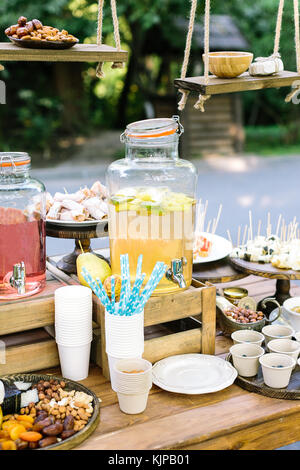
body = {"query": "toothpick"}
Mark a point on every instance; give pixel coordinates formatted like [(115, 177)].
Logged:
[(229, 236), (250, 225), (269, 227), (278, 224), (239, 236), (244, 235), (217, 219), (258, 228), (208, 227)]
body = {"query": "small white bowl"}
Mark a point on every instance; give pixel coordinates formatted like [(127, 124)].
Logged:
[(245, 358), (285, 346), (276, 332), (292, 317), (277, 369), (247, 336)]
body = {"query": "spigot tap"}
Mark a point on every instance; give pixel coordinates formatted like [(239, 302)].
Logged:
[(18, 279), (175, 272)]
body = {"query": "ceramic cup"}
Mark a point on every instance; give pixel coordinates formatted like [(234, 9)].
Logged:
[(277, 369), (245, 358), (276, 332), (247, 336), (285, 346)]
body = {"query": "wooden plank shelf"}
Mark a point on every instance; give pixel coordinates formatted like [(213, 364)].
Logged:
[(77, 53), (244, 82)]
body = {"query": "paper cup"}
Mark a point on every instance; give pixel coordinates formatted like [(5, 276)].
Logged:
[(73, 292), (133, 404), (124, 335), (112, 360), (245, 358), (285, 346), (129, 381), (277, 369), (74, 361), (247, 336), (276, 332)]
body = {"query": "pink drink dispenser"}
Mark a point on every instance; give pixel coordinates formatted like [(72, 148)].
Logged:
[(22, 228)]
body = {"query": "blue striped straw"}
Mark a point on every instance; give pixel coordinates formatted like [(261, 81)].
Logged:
[(105, 296), (113, 294), (134, 298), (155, 278), (99, 292), (139, 266)]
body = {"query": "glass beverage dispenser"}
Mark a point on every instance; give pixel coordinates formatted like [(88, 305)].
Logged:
[(22, 229), (152, 203)]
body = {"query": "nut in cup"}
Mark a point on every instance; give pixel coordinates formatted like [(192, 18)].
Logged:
[(277, 369), (245, 358)]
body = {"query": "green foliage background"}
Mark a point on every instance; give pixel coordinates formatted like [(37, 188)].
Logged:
[(33, 119)]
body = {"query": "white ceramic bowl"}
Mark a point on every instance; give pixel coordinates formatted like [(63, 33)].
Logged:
[(292, 317)]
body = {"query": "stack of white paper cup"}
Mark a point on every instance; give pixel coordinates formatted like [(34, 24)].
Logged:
[(73, 329), (133, 381), (124, 337)]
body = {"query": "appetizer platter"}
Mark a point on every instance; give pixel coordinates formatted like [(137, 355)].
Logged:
[(34, 35), (87, 206), (208, 246), (45, 412)]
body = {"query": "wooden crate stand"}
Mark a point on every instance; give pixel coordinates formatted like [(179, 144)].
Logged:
[(198, 299)]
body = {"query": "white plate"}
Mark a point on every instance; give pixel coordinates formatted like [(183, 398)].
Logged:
[(193, 374), (221, 247), (70, 223)]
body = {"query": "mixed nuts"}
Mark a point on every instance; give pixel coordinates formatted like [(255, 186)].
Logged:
[(34, 30)]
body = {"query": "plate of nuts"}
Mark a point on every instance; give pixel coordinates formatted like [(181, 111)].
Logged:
[(33, 34), (45, 412)]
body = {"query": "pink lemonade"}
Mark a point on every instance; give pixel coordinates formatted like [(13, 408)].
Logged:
[(21, 240)]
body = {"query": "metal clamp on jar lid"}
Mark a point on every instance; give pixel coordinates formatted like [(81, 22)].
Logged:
[(153, 128), (14, 162)]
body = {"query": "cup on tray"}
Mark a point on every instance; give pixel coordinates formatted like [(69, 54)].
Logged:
[(247, 336), (133, 380), (245, 358), (73, 330), (285, 346), (277, 369), (276, 332)]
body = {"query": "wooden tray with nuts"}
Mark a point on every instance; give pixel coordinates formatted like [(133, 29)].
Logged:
[(33, 34), (63, 414)]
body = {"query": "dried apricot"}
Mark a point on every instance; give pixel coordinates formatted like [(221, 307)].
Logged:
[(30, 436), (8, 445), (25, 418), (16, 431)]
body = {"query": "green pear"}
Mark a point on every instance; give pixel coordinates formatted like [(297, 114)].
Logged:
[(95, 266)]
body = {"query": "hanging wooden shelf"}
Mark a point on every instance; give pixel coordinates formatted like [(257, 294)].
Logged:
[(78, 53), (244, 82)]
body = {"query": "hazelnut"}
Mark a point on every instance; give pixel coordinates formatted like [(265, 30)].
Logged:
[(22, 21)]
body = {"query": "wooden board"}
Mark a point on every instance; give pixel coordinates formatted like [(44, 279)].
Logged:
[(78, 53), (256, 384), (26, 314), (244, 82), (264, 270), (217, 272)]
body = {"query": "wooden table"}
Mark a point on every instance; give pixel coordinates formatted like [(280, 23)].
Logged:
[(229, 419)]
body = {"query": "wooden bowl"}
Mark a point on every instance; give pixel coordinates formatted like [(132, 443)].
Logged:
[(229, 64), (80, 436), (43, 44)]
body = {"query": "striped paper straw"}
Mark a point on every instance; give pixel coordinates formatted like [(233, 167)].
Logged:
[(134, 298)]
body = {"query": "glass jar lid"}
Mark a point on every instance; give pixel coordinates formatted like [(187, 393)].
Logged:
[(14, 161), (153, 128)]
